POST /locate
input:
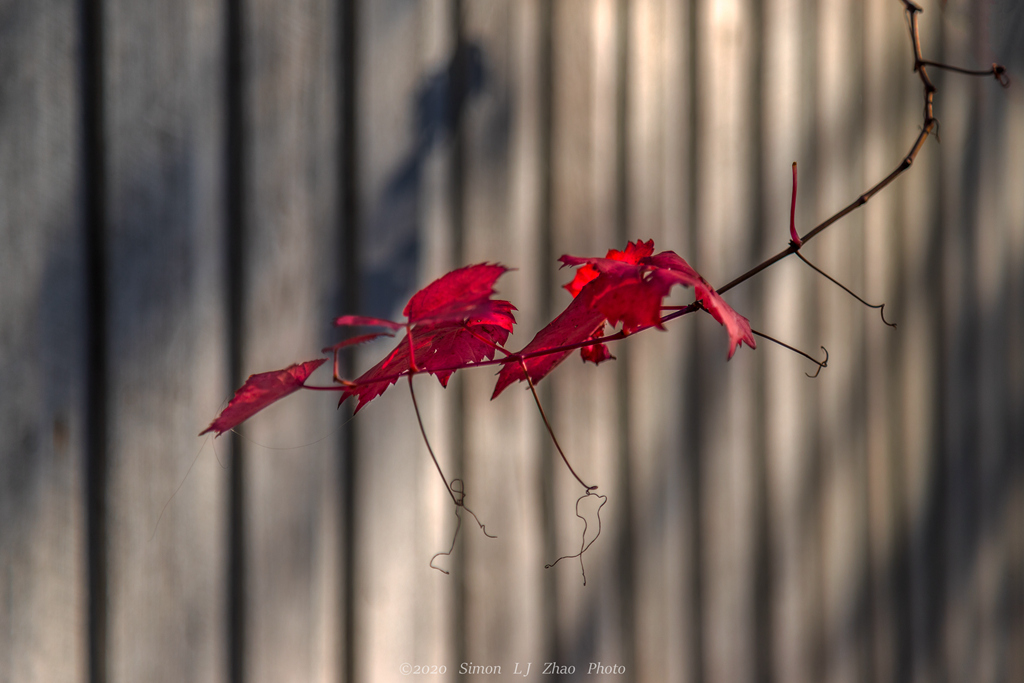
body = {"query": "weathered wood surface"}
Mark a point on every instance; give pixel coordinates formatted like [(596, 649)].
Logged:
[(163, 240), (760, 525), (291, 460), (43, 350)]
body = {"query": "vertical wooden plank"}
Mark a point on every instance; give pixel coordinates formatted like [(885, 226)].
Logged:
[(978, 602), (349, 212), (993, 446), (43, 602), (682, 662), (504, 577), (840, 253), (165, 335), (289, 281), (1005, 40), (885, 51), (405, 606), (963, 446), (920, 381), (1013, 134), (586, 400), (788, 393), (725, 162), (655, 168), (432, 105)]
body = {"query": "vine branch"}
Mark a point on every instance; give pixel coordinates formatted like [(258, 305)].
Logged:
[(912, 13)]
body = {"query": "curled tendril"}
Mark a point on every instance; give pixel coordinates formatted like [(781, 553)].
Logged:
[(820, 363), (451, 549), (584, 546), (997, 71), (458, 493), (460, 496), (880, 307)]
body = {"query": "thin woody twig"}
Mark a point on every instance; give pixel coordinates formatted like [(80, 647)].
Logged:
[(929, 125), (837, 283), (820, 363), (997, 70)]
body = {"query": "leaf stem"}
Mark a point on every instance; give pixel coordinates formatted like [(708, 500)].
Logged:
[(794, 236), (423, 431), (551, 431), (460, 500)]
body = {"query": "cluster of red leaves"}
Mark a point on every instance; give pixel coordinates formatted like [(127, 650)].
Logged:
[(454, 323), (625, 287)]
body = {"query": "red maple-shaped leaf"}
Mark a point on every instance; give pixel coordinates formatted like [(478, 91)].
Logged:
[(632, 254), (624, 287), (577, 323), (259, 391), (633, 283), (735, 324), (453, 323), (671, 264), (462, 294)]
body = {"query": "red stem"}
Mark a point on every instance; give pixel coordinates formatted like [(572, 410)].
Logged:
[(792, 212)]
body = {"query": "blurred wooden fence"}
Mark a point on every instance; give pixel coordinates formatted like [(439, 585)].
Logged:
[(191, 190)]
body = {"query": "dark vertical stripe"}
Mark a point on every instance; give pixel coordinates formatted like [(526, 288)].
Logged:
[(951, 471), (811, 492), (863, 619), (626, 550), (547, 153), (691, 469), (458, 95), (763, 579), (235, 272), (900, 568), (457, 98), (622, 157), (94, 187), (545, 254), (348, 89)]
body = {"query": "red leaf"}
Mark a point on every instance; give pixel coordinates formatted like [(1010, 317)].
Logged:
[(623, 287), (577, 323), (737, 326), (632, 254), (632, 284), (453, 323), (259, 391), (461, 294)]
